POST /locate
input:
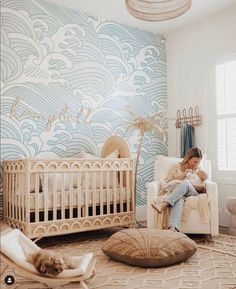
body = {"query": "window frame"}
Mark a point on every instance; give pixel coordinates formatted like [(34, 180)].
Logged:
[(222, 174)]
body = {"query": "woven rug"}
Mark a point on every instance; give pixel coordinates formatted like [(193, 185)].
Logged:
[(212, 267)]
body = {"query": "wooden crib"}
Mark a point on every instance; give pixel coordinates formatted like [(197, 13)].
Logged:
[(45, 197)]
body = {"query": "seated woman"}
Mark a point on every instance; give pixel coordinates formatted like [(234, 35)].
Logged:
[(183, 187)]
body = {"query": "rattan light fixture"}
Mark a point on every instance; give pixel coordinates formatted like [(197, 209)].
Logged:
[(157, 10)]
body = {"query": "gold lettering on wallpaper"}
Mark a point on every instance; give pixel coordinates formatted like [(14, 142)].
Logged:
[(82, 115)]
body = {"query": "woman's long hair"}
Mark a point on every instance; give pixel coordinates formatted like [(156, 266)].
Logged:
[(192, 153)]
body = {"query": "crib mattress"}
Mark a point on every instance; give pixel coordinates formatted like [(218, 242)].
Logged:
[(79, 197)]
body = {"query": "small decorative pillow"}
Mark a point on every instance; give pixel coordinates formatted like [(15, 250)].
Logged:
[(85, 155), (49, 156), (104, 184), (149, 247)]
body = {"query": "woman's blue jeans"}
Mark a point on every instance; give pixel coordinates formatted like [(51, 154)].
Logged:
[(176, 201)]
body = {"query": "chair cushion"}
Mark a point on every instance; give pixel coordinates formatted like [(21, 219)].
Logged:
[(165, 163), (149, 247)]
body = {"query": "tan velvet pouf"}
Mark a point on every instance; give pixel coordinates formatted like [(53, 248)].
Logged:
[(149, 247)]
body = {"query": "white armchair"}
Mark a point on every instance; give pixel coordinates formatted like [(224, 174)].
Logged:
[(193, 225)]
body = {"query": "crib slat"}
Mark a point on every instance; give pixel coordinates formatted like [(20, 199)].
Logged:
[(128, 190), (36, 192), (55, 196), (11, 199), (10, 196), (45, 193), (86, 197), (101, 192), (108, 192), (16, 199), (22, 190), (6, 190), (13, 196), (114, 192), (132, 196), (19, 197), (83, 188), (63, 196), (121, 191), (93, 193), (71, 195), (16, 196), (79, 195), (27, 195)]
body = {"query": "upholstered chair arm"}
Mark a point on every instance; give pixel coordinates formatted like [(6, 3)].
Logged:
[(212, 192), (152, 191)]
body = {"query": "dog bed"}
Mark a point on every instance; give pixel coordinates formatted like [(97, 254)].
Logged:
[(16, 247)]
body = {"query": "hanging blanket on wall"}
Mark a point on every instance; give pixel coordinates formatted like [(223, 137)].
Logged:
[(187, 138)]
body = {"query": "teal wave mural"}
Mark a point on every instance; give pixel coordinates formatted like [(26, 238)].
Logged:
[(59, 65)]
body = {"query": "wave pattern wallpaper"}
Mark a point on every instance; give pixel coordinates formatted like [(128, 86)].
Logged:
[(67, 80)]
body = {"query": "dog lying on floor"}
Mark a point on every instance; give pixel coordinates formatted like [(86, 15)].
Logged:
[(49, 262)]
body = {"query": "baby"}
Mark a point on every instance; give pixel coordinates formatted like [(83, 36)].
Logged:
[(195, 178)]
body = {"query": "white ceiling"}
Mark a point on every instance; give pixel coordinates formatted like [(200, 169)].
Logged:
[(115, 10)]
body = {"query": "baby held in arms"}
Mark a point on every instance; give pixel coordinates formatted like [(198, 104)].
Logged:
[(195, 178)]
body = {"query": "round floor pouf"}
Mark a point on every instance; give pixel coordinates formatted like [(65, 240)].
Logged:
[(149, 247)]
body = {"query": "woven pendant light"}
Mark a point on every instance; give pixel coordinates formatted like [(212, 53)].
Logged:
[(157, 10)]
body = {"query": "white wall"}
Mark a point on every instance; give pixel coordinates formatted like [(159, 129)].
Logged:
[(192, 54)]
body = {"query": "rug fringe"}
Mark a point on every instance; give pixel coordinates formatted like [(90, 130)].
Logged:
[(224, 235), (218, 242), (222, 242), (216, 250)]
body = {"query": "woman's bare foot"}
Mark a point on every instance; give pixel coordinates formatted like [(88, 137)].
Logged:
[(160, 207), (156, 207)]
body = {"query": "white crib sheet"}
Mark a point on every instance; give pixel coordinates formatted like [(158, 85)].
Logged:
[(75, 194)]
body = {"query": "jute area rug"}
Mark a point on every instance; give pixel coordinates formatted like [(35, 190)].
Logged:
[(212, 267)]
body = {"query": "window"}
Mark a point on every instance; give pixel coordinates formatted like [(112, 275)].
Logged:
[(226, 114)]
